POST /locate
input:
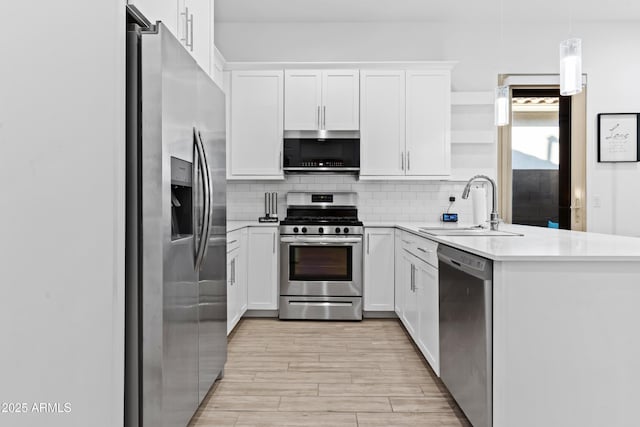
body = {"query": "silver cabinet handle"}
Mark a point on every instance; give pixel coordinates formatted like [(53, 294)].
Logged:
[(407, 242), (232, 242), (324, 117), (408, 160), (274, 242), (318, 117), (412, 276), (233, 271), (425, 250), (186, 25), (188, 29), (402, 160), (191, 32), (368, 243)]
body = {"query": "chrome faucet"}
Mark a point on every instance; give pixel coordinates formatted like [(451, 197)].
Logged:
[(495, 220)]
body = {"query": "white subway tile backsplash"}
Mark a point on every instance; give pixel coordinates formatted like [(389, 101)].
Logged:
[(377, 201)]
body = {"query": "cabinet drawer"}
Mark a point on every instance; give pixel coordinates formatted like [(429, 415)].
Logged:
[(233, 240), (420, 247)]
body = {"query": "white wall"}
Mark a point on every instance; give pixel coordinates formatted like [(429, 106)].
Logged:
[(61, 210), (611, 61)]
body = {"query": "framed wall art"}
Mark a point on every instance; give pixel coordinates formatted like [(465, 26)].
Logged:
[(618, 137)]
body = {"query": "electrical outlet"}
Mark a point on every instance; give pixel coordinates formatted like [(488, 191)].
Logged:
[(597, 202)]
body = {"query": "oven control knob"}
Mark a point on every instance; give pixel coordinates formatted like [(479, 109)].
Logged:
[(295, 229), (304, 229), (320, 230), (337, 230), (346, 230)]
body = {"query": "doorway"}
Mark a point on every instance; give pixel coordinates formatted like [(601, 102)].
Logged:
[(542, 159)]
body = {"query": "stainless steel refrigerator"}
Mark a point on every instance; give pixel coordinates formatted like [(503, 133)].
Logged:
[(176, 343)]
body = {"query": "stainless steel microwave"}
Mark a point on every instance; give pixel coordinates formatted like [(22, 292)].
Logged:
[(321, 152)]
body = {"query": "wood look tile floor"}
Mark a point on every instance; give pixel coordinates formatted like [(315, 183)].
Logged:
[(333, 374)]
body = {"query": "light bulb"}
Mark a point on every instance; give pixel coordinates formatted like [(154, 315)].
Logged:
[(502, 106), (570, 67)]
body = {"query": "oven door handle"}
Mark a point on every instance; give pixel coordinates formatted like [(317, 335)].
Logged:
[(322, 303), (320, 240)]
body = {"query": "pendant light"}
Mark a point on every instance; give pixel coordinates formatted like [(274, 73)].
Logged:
[(570, 62), (570, 67), (501, 106), (501, 101)]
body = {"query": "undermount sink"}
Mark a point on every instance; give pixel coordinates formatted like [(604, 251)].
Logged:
[(465, 231)]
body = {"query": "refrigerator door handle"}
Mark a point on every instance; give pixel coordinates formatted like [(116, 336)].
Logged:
[(207, 236), (204, 172)]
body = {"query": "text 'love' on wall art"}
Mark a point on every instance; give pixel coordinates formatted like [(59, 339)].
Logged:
[(618, 137)]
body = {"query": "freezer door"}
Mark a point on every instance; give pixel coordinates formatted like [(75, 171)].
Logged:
[(212, 305), (169, 358)]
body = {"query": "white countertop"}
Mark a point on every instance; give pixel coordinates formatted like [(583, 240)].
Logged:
[(236, 225), (537, 244)]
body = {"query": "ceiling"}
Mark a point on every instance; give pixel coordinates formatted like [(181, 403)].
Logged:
[(424, 10)]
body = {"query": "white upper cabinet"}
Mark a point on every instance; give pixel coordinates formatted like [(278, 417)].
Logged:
[(322, 99), (405, 124), (302, 99), (428, 145), (190, 21), (379, 274), (382, 120), (255, 146), (341, 100)]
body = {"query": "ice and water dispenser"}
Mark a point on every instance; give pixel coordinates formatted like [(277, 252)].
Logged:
[(181, 198)]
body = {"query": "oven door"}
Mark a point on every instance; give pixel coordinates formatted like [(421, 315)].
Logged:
[(321, 266)]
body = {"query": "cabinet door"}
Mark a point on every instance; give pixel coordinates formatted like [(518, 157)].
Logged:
[(379, 273), (428, 303), (302, 99), (341, 100), (428, 123), (242, 272), (398, 285), (382, 123), (263, 268), (199, 32), (232, 290), (256, 124), (410, 311)]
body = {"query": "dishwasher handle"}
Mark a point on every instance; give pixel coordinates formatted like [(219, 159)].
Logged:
[(471, 264)]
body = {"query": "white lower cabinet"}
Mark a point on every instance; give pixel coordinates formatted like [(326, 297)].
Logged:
[(398, 282), (410, 303), (428, 314), (236, 277), (378, 292), (416, 289), (262, 268)]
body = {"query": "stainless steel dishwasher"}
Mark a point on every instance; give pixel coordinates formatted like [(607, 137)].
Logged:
[(466, 289)]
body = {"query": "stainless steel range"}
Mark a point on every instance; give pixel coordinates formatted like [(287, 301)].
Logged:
[(321, 257)]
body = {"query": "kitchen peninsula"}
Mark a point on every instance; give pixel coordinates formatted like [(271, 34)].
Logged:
[(565, 323)]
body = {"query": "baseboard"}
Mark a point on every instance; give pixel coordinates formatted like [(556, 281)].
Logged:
[(379, 315), (261, 313)]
